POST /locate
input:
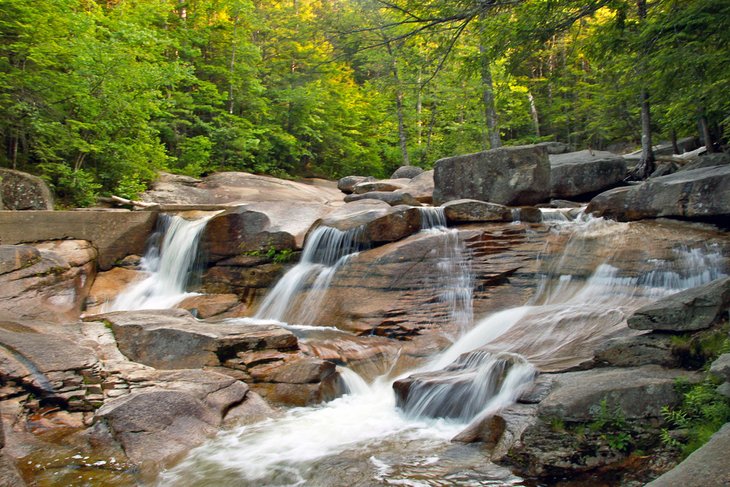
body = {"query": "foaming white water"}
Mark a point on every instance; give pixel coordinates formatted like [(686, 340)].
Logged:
[(476, 383), (277, 452), (325, 251), (169, 265)]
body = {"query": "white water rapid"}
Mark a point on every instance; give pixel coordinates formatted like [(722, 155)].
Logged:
[(325, 251), (364, 439), (168, 261)]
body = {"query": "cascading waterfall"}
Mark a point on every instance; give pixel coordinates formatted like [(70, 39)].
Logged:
[(364, 436), (326, 250), (456, 282), (169, 261)]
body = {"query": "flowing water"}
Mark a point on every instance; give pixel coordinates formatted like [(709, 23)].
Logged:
[(363, 438), (169, 262)]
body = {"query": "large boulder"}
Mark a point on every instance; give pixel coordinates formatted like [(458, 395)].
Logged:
[(23, 191), (421, 187), (393, 198), (266, 356), (173, 339), (696, 194), (578, 173), (347, 184), (507, 176), (381, 185), (706, 467), (693, 309), (235, 188), (183, 409), (708, 160), (409, 172), (53, 368), (259, 227), (639, 392), (374, 222), (47, 281)]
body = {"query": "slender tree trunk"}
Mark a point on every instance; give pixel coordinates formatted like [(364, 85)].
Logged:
[(402, 137), (490, 111), (429, 133), (705, 131), (647, 153), (533, 112), (675, 145), (14, 155), (232, 67), (647, 161), (419, 110)]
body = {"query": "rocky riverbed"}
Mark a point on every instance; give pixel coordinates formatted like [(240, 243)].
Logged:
[(608, 315)]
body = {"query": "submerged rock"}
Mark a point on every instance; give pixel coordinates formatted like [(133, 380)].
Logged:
[(508, 176), (694, 309)]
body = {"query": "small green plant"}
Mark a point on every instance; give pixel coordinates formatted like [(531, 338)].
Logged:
[(612, 426), (557, 425), (702, 412), (273, 254)]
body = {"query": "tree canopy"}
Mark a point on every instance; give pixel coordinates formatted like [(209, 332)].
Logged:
[(97, 96)]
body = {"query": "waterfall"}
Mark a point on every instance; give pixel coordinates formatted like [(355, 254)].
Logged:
[(475, 382), (456, 282), (364, 435), (432, 217), (169, 262), (325, 251)]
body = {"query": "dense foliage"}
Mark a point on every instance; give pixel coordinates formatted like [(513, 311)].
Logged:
[(98, 95)]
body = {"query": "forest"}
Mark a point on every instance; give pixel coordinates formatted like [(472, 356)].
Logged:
[(97, 96)]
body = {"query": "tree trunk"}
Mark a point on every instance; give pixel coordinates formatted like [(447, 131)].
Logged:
[(533, 112), (647, 162), (675, 145), (490, 111), (705, 132), (402, 137), (232, 66)]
